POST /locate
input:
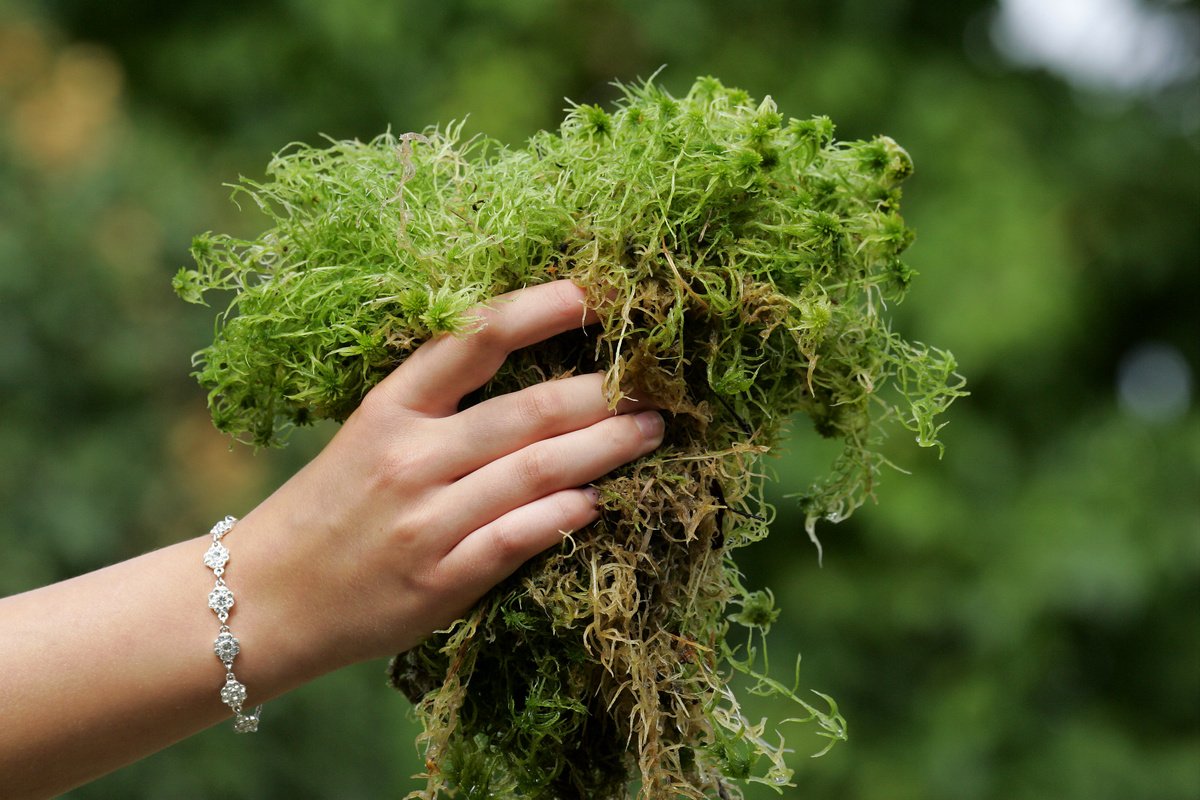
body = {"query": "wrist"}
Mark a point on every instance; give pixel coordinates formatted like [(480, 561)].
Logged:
[(282, 642)]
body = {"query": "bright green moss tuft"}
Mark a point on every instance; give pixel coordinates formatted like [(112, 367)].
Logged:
[(750, 259)]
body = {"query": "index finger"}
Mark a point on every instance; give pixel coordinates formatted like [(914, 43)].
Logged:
[(439, 373)]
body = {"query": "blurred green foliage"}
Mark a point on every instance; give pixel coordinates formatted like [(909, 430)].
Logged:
[(1018, 620)]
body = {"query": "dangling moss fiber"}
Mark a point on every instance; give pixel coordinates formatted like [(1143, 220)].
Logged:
[(742, 263)]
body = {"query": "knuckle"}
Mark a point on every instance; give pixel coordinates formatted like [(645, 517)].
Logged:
[(392, 469), (566, 300), (420, 521), (484, 332), (485, 343), (505, 543), (536, 467), (377, 406), (570, 507), (405, 464), (425, 579), (538, 406)]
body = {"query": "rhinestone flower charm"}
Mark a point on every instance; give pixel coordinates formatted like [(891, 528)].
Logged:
[(226, 647), (233, 694), (217, 556), (223, 527), (220, 599), (247, 723)]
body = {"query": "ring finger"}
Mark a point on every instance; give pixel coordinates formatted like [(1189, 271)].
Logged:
[(547, 466)]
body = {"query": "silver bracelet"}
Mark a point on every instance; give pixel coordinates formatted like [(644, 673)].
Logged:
[(226, 647)]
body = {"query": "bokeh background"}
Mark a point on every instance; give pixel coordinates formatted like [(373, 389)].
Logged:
[(1020, 619)]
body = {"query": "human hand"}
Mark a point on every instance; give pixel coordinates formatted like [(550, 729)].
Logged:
[(415, 509)]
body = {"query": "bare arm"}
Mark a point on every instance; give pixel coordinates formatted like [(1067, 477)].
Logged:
[(412, 513)]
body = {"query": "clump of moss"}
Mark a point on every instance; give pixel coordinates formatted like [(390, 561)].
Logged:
[(745, 261)]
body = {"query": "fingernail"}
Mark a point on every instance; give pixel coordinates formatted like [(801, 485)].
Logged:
[(651, 424), (593, 494)]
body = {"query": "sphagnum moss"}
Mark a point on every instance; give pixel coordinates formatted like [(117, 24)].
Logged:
[(744, 261)]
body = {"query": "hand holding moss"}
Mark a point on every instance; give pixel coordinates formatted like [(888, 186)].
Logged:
[(416, 509)]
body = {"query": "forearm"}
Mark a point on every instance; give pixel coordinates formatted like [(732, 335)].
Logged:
[(114, 665)]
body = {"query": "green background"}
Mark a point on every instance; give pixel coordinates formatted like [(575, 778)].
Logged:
[(1020, 619)]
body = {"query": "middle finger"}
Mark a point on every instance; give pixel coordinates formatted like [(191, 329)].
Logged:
[(505, 424)]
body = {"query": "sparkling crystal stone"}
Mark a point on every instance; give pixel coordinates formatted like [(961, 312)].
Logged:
[(220, 599), (226, 647), (247, 723), (223, 527), (233, 694), (217, 556)]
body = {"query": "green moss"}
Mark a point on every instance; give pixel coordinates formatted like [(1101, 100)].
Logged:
[(751, 259)]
